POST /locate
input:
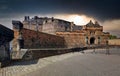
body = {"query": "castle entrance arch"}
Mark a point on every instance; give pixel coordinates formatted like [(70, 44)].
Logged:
[(92, 40)]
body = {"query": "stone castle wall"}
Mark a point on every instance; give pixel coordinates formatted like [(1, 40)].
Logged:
[(36, 54), (114, 42), (34, 40), (6, 35), (39, 41), (73, 39), (46, 25), (3, 52), (90, 34), (104, 39), (78, 38)]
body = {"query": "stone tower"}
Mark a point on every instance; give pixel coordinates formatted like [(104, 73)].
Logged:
[(18, 41)]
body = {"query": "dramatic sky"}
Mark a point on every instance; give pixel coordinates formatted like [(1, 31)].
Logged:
[(107, 12)]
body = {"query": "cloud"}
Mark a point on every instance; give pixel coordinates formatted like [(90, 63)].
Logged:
[(102, 10), (106, 11), (3, 7), (78, 19), (112, 26)]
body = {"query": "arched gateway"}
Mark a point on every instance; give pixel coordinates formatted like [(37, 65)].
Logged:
[(92, 40)]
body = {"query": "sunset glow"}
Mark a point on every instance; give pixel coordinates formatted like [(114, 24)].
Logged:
[(80, 20), (77, 19)]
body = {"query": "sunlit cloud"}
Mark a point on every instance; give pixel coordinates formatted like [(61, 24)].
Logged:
[(77, 19)]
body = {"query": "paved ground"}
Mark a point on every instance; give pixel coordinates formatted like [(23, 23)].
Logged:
[(23, 68), (71, 64), (83, 65)]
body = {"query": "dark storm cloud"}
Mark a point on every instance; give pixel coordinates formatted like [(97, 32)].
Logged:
[(100, 9)]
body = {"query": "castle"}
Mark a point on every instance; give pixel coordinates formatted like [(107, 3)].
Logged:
[(41, 35), (45, 33), (48, 25)]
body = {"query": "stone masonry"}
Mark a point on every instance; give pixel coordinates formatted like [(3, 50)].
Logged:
[(42, 33), (6, 35), (29, 39)]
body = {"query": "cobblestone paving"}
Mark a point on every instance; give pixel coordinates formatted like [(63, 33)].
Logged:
[(71, 64), (22, 68), (87, 64)]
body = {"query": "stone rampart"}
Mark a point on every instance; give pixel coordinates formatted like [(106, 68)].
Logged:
[(114, 42), (34, 40), (73, 39), (40, 53)]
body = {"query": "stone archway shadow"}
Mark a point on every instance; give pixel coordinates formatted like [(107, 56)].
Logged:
[(92, 40)]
